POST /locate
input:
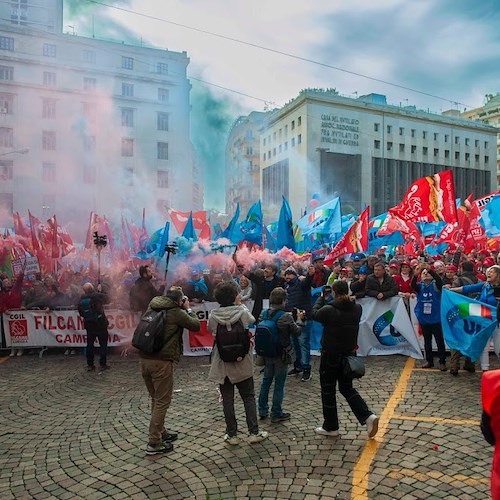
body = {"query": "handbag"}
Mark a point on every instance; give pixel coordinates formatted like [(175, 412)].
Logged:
[(353, 367)]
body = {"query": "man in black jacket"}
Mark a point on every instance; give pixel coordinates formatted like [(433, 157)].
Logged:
[(379, 284), (142, 291)]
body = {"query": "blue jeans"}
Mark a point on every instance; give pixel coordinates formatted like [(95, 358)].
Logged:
[(275, 369), (302, 347)]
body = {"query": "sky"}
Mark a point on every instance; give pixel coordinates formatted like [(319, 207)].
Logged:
[(435, 54)]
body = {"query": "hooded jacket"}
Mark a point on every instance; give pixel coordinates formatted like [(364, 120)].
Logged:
[(340, 320), (236, 371), (177, 319)]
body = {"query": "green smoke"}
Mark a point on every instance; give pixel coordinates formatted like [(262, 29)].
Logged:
[(211, 120)]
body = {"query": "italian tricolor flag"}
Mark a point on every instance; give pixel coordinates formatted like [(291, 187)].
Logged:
[(474, 310)]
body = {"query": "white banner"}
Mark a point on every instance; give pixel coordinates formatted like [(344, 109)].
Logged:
[(29, 265), (386, 328)]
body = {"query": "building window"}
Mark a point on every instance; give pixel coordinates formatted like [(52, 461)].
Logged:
[(7, 202), (286, 129), (48, 108), (6, 73), (6, 169), (162, 121), (467, 141), (127, 117), (6, 137), (476, 158), (457, 139), (424, 135), (162, 68), (425, 150), (457, 155), (6, 104), (389, 146), (446, 153), (486, 144), (401, 131), (376, 127), (279, 133), (446, 138), (274, 136), (162, 179), (401, 148), (436, 135), (274, 151), (414, 149), (376, 144), (89, 84), (293, 142), (89, 56), (264, 156), (48, 172), (6, 43), (293, 124), (264, 141), (127, 62), (436, 152), (486, 160), (49, 79), (286, 145), (249, 150), (467, 156), (128, 176), (127, 89), (279, 148), (49, 50), (299, 121), (162, 150), (299, 139), (389, 129), (476, 143), (48, 140), (413, 132), (89, 143), (163, 95), (127, 147)]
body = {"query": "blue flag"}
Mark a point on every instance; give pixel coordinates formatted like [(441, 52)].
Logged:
[(467, 323), (164, 240), (230, 228), (189, 233), (284, 237), (270, 241), (251, 227), (375, 241), (491, 216), (325, 219)]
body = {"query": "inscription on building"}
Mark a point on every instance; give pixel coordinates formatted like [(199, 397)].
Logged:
[(339, 130)]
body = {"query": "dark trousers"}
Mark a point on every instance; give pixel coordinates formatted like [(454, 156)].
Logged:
[(96, 331), (428, 331), (330, 372), (247, 393)]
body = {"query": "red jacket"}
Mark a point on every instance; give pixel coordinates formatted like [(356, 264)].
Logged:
[(403, 286), (11, 299)]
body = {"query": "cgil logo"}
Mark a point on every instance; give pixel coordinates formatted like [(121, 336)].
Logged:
[(18, 329)]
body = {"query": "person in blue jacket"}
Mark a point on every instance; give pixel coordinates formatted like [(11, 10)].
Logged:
[(485, 291), (427, 311)]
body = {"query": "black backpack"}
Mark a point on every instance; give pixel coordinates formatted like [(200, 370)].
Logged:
[(267, 336), (149, 335), (232, 343), (88, 310)]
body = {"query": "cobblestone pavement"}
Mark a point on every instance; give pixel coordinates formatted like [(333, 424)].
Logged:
[(66, 433)]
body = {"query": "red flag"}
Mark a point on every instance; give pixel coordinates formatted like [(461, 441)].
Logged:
[(135, 235), (429, 199), (52, 223), (20, 227), (354, 240), (91, 230), (34, 228), (179, 220)]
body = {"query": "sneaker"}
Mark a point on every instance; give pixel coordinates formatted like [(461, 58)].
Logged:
[(294, 371), (264, 416), (72, 352), (91, 368), (232, 440), (427, 364), (454, 372), (442, 367), (157, 448), (104, 367), (281, 418), (323, 432), (257, 438), (306, 376), (66, 352), (168, 436), (20, 352), (12, 353), (372, 425)]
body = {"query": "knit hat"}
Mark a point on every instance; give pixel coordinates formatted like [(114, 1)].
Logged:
[(290, 270)]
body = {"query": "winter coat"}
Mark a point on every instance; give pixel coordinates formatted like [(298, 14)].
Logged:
[(11, 299), (177, 319), (388, 286), (340, 320), (485, 291), (236, 371), (299, 294), (141, 294), (262, 289)]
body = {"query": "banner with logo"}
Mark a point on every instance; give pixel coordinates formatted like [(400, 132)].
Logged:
[(386, 328)]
